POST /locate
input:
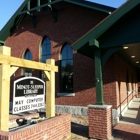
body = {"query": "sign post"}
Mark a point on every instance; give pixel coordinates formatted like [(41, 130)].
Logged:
[(8, 65), (50, 90), (4, 90)]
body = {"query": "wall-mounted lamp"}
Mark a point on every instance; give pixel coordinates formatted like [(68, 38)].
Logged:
[(125, 47)]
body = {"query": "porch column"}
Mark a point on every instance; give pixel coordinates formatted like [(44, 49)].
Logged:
[(100, 115), (98, 78)]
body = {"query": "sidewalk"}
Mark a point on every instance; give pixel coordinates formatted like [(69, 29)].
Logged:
[(129, 126), (132, 115), (127, 131)]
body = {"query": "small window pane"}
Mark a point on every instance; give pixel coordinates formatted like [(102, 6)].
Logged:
[(64, 53), (70, 55), (67, 52), (28, 56)]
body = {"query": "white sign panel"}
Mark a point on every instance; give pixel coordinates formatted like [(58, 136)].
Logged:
[(28, 94)]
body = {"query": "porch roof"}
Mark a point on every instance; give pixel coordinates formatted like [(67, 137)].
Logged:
[(118, 30)]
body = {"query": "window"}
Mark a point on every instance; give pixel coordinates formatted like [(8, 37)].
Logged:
[(66, 72), (45, 53), (46, 49), (28, 56)]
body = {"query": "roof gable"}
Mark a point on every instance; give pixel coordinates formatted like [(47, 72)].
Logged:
[(25, 8)]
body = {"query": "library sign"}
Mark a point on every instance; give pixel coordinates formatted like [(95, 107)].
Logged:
[(28, 94)]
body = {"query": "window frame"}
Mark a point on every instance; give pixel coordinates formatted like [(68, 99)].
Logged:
[(67, 59)]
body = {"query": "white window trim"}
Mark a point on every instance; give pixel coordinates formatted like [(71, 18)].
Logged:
[(65, 94)]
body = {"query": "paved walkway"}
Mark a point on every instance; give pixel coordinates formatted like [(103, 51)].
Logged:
[(129, 126), (128, 131)]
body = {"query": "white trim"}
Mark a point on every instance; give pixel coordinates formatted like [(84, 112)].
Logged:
[(65, 94), (30, 77)]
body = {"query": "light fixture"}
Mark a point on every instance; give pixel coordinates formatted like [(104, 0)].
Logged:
[(132, 56), (125, 47), (137, 61)]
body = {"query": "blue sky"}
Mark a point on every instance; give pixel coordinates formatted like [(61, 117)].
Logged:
[(8, 7)]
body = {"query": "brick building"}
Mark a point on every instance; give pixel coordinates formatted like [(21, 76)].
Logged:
[(45, 29)]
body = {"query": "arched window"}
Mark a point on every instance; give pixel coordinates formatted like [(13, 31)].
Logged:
[(28, 56), (45, 53), (46, 49), (66, 69)]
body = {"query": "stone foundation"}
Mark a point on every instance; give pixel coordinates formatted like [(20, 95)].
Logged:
[(74, 110)]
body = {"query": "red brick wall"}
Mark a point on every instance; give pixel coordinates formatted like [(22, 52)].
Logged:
[(84, 83), (100, 124), (109, 81), (57, 128), (71, 25), (114, 80), (121, 91)]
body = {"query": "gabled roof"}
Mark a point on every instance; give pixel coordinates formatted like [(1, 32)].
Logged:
[(18, 16), (104, 25)]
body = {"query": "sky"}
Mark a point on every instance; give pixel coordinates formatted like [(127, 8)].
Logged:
[(9, 7)]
